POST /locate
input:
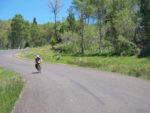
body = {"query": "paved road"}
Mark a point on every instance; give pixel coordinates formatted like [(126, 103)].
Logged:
[(66, 89)]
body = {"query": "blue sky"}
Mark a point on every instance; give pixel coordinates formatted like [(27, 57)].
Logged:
[(30, 9)]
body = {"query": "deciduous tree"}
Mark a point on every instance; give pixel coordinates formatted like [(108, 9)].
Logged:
[(17, 35), (55, 6)]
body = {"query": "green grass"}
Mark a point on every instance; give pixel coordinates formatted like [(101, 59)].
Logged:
[(11, 84), (132, 66)]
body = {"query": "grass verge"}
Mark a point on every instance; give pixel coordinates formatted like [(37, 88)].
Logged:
[(11, 85), (132, 66)]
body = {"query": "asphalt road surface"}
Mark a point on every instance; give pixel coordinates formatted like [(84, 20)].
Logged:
[(70, 89)]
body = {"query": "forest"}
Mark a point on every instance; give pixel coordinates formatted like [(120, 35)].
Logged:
[(93, 27)]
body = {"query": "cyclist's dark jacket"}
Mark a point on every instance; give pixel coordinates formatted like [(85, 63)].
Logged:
[(37, 59)]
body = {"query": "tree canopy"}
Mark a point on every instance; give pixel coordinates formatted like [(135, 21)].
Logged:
[(116, 27)]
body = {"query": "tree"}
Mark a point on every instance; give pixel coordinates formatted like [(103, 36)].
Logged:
[(55, 6), (89, 11), (17, 34), (34, 21), (4, 31), (36, 34), (71, 20), (122, 23), (48, 30), (100, 7), (145, 26), (26, 34), (80, 6)]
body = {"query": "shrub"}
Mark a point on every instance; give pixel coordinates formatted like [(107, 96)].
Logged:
[(125, 47), (70, 43), (53, 41)]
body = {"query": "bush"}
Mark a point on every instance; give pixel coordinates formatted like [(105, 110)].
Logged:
[(53, 41), (125, 47), (70, 43)]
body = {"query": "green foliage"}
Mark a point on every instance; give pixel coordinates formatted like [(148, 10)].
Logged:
[(123, 23), (80, 6), (70, 43), (91, 41), (126, 48), (48, 32), (103, 26), (71, 20), (53, 41), (26, 34), (34, 21), (63, 27), (11, 84), (36, 34), (18, 33), (4, 31), (145, 23)]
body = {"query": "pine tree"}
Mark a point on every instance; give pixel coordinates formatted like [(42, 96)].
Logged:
[(35, 33), (71, 20), (145, 24)]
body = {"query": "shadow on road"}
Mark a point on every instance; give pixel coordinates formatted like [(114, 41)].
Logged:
[(88, 91), (35, 72)]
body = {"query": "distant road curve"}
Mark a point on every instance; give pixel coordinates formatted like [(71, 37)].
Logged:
[(67, 89)]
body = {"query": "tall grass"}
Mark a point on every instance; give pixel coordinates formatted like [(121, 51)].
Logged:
[(132, 66), (11, 85)]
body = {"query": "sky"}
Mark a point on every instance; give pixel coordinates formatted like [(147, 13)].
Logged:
[(30, 9)]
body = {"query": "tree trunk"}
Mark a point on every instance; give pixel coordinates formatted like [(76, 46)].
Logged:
[(82, 35), (100, 34), (55, 25), (100, 30), (135, 40)]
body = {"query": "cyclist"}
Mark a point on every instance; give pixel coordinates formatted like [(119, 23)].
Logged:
[(38, 63)]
